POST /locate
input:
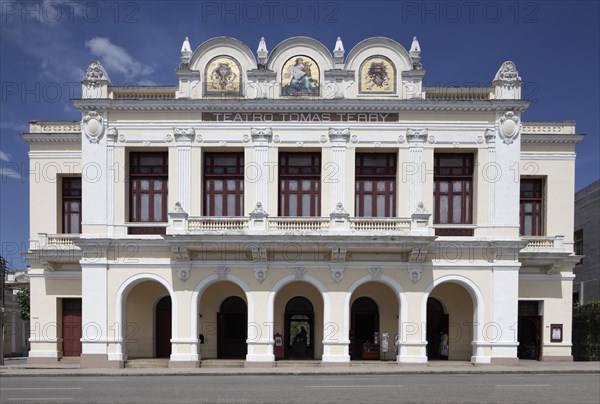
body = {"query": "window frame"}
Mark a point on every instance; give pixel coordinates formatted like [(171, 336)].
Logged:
[(387, 172), (538, 225), (66, 207), (136, 175), (209, 174), (465, 177), (313, 175)]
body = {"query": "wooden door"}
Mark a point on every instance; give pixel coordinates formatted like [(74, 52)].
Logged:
[(71, 327), (232, 329)]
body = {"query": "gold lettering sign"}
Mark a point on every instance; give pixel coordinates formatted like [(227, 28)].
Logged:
[(300, 76), (223, 77), (377, 76)]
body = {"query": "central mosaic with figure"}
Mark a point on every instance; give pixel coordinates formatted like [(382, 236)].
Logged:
[(300, 76)]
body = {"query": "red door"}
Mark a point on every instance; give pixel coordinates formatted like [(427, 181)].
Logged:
[(71, 323)]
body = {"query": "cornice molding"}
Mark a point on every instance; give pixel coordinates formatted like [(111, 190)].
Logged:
[(333, 105), (555, 139), (51, 137)]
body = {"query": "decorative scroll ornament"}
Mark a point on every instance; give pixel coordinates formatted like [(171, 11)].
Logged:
[(414, 274), (401, 139), (93, 126), (168, 138), (260, 273), (258, 211), (421, 209), (94, 74), (299, 272), (337, 273), (509, 126), (183, 273), (376, 273), (507, 75), (178, 208), (222, 272)]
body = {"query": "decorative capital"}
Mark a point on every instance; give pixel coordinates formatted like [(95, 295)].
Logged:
[(339, 135), (490, 135), (95, 75), (414, 274), (222, 272), (184, 134), (509, 126), (112, 134), (261, 135), (299, 272), (376, 273), (93, 126), (416, 135)]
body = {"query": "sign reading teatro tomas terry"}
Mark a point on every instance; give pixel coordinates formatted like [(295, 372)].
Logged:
[(299, 117)]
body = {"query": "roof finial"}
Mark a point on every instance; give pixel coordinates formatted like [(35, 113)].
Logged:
[(415, 53), (338, 52), (262, 52), (186, 52)]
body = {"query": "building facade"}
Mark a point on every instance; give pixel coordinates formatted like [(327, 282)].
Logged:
[(301, 204), (586, 285)]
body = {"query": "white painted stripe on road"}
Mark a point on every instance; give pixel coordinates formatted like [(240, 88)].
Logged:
[(354, 387), (522, 385), (40, 388), (51, 399)]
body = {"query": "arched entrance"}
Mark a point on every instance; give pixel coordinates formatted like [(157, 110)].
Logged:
[(364, 323), (145, 313), (451, 324), (299, 328), (437, 330), (162, 328), (232, 329)]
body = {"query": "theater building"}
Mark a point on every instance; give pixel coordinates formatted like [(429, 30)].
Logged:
[(299, 204)]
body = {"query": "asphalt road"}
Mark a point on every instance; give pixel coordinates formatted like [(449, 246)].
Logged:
[(498, 388)]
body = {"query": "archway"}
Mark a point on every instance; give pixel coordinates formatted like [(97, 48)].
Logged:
[(452, 329), (232, 329), (223, 311), (364, 329), (437, 330), (148, 320), (162, 328), (299, 328)]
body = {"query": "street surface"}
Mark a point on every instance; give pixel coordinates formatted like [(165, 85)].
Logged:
[(348, 389)]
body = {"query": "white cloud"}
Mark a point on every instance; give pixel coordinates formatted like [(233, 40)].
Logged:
[(116, 59), (4, 156)]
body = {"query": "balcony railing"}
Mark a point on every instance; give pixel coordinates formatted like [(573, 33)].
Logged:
[(181, 223), (56, 241), (544, 243), (379, 224)]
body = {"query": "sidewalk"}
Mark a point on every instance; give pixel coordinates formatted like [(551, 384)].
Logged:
[(16, 367)]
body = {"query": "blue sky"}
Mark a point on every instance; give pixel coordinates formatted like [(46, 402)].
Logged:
[(45, 47)]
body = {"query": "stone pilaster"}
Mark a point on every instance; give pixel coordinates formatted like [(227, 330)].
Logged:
[(184, 137), (416, 139), (261, 137), (339, 139)]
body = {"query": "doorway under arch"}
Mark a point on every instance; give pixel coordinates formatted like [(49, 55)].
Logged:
[(364, 323), (162, 328), (437, 330), (299, 327), (232, 329)]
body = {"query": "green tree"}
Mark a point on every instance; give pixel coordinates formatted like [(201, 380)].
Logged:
[(23, 302)]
